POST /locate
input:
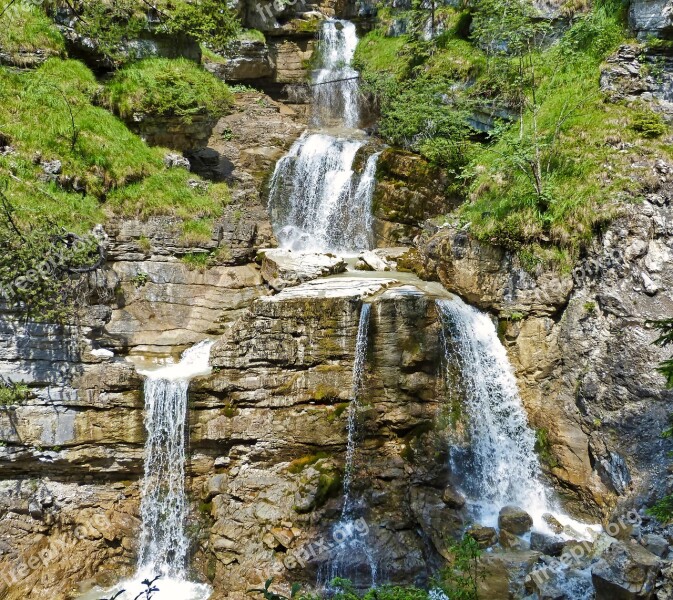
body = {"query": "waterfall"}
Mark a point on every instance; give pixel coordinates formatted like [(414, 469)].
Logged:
[(501, 466), (353, 558), (317, 201), (358, 374), (340, 99), (163, 507)]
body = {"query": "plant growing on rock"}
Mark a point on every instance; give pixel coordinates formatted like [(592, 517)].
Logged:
[(460, 580), (12, 392), (43, 267), (269, 594)]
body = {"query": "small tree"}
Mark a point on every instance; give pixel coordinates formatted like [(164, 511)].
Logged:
[(460, 580)]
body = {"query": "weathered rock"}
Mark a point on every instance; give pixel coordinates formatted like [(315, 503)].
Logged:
[(484, 536), (547, 544), (283, 268), (408, 191), (509, 541), (625, 572), (243, 61), (651, 18), (504, 574), (453, 498), (656, 544), (515, 520)]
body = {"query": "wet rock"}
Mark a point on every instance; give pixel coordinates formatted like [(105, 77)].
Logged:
[(547, 544), (656, 544), (625, 572), (515, 520), (453, 498), (504, 574), (509, 541), (484, 536), (373, 261), (553, 522)]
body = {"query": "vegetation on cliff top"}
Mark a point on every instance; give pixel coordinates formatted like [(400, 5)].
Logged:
[(517, 117), (167, 87)]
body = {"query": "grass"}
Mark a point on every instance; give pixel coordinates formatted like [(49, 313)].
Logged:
[(167, 87), (27, 28), (106, 169), (425, 89)]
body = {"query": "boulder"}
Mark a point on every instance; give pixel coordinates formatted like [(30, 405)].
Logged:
[(484, 536), (504, 574), (550, 545), (509, 541), (625, 572), (453, 498), (656, 544), (515, 520), (651, 18)]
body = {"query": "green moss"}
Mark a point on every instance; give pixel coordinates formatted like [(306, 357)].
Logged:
[(324, 392), (299, 464), (339, 410), (205, 508), (649, 124), (329, 486), (167, 87), (197, 231)]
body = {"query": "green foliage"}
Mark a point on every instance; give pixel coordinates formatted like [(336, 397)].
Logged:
[(167, 87), (507, 27), (460, 579), (42, 265), (543, 448), (665, 339), (25, 27), (111, 23), (169, 192), (269, 594), (649, 124), (212, 22), (343, 589), (662, 510), (11, 392)]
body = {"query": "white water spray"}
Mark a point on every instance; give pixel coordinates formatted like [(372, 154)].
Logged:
[(317, 201), (501, 466), (163, 508), (354, 558)]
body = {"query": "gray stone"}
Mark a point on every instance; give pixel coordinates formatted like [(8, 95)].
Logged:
[(484, 536), (453, 498), (656, 544), (515, 520), (625, 571), (547, 544)]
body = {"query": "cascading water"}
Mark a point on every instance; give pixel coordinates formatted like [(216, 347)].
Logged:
[(358, 374), (163, 509), (353, 557), (500, 467), (336, 94), (317, 201)]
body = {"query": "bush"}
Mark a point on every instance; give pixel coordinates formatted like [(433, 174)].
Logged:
[(649, 124), (167, 87)]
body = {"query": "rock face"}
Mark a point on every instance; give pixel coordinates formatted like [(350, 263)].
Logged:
[(245, 61), (581, 346), (651, 18), (638, 73), (408, 191), (273, 417)]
